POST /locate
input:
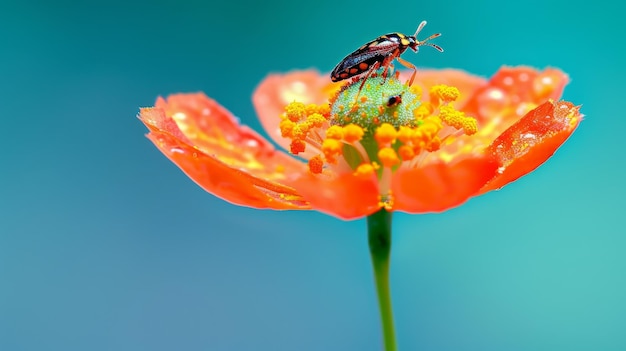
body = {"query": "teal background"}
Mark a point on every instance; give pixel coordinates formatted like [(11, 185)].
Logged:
[(106, 245)]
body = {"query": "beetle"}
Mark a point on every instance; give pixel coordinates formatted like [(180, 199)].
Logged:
[(380, 52), (394, 100)]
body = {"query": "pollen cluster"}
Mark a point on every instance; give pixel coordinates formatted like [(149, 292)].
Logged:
[(309, 130), (375, 127)]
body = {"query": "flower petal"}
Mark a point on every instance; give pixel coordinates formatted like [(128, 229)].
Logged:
[(278, 90), (531, 141), (346, 197), (439, 186), (155, 118), (509, 95), (225, 158), (230, 184)]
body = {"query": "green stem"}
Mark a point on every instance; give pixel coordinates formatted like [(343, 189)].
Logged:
[(379, 236)]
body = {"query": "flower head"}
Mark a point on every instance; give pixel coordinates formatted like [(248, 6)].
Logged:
[(366, 145)]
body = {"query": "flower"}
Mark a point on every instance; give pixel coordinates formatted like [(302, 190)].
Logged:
[(367, 145)]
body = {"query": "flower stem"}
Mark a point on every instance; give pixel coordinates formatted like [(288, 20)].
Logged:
[(379, 236)]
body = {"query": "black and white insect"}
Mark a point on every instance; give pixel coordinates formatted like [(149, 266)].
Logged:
[(379, 53)]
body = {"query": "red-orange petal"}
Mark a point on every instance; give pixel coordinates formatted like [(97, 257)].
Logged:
[(511, 93), (439, 186), (346, 197), (225, 158), (531, 141), (223, 181), (207, 126), (278, 90)]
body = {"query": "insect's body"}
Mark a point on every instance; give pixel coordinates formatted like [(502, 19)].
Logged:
[(394, 100), (379, 53)]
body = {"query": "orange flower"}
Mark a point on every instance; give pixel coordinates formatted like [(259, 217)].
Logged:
[(424, 148)]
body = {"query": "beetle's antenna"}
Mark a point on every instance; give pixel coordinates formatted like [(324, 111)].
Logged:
[(425, 41), (419, 28)]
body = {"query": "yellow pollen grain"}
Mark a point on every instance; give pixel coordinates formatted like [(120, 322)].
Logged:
[(432, 124), (324, 110), (331, 149), (388, 157), (385, 134), (352, 133), (316, 120), (297, 146), (296, 111), (311, 109), (334, 132), (364, 170), (434, 144), (444, 93), (457, 119), (404, 134), (406, 152), (299, 131), (363, 99), (316, 164), (286, 128), (423, 110), (417, 148)]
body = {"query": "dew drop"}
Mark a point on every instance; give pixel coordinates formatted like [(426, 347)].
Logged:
[(495, 94), (179, 116), (252, 143), (177, 150), (523, 77), (492, 101), (547, 80)]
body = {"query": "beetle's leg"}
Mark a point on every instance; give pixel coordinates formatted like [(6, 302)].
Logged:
[(387, 63), (367, 75), (408, 64)]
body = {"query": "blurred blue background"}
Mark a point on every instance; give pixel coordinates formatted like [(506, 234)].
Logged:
[(106, 245)]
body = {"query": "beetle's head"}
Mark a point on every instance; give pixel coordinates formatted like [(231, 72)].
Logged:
[(416, 43)]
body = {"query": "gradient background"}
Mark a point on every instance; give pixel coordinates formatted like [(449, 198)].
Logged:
[(106, 245)]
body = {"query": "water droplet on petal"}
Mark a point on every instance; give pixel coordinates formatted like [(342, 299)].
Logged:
[(252, 143), (179, 116), (492, 102), (544, 84), (177, 150), (523, 77)]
